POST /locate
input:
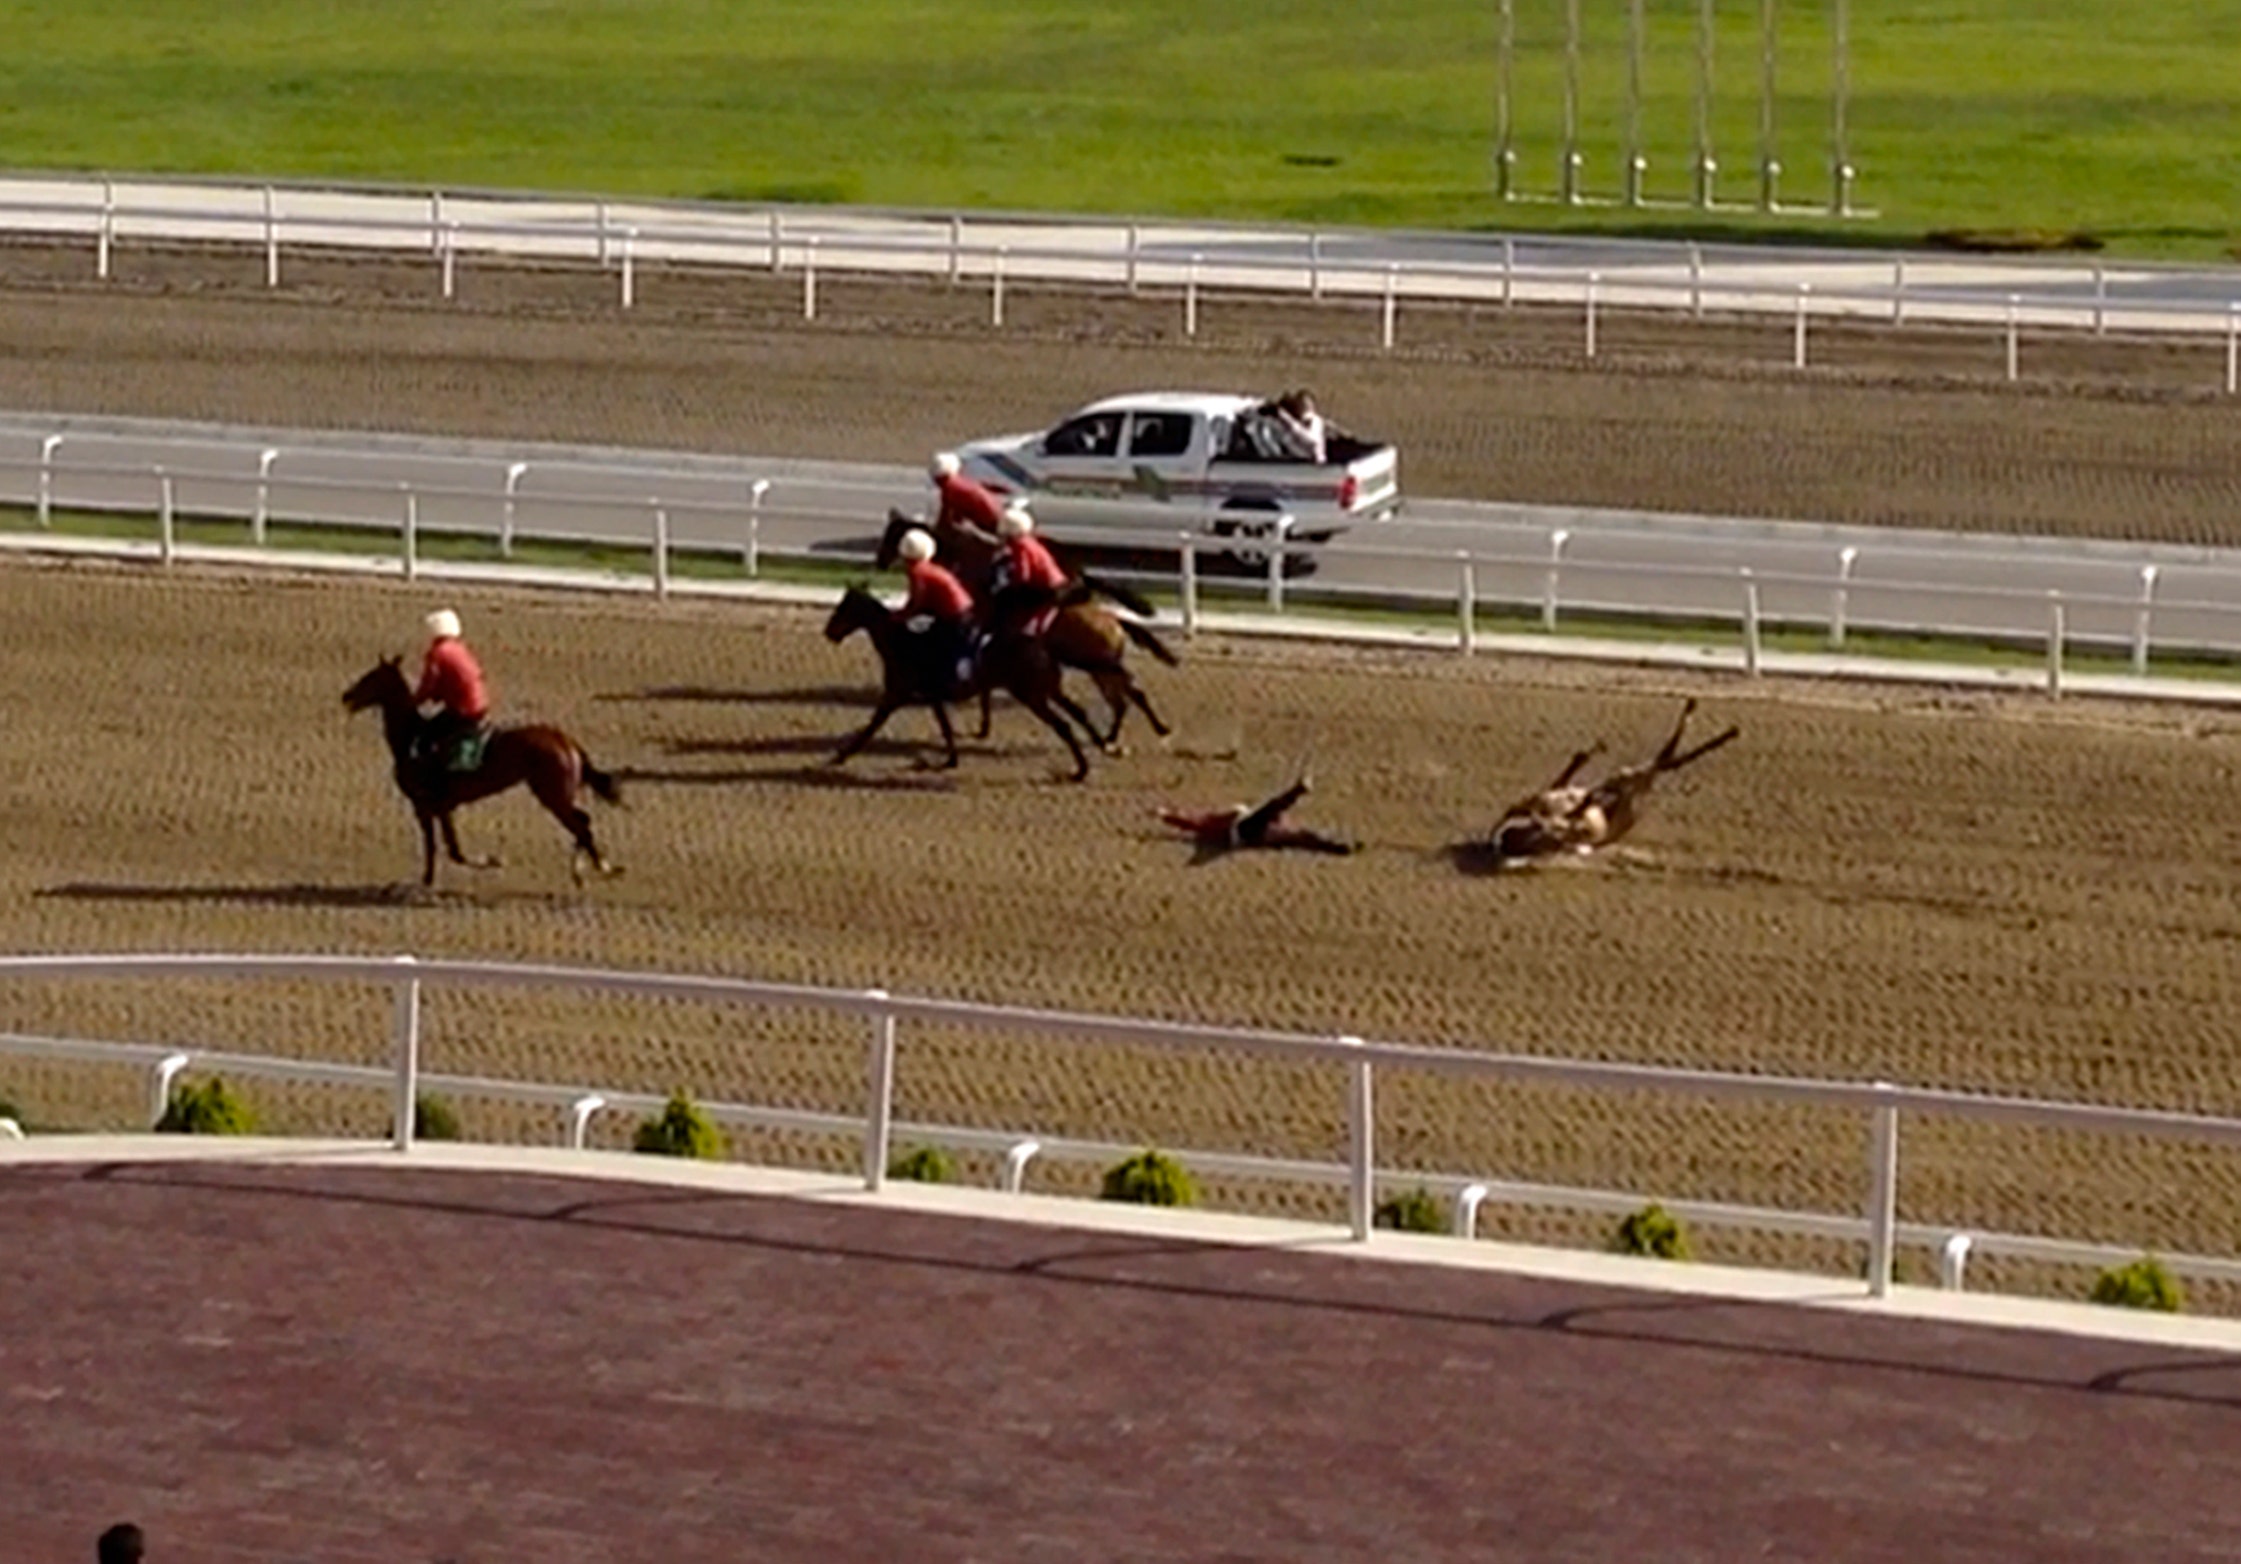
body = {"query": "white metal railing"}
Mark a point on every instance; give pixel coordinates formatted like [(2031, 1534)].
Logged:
[(406, 979), (1542, 581), (2011, 296)]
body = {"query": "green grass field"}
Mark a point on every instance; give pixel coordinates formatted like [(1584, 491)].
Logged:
[(1981, 113)]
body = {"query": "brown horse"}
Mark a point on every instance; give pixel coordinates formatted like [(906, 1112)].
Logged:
[(1568, 817), (553, 764), (916, 670), (1083, 634)]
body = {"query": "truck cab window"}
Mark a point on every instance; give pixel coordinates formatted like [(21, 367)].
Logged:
[(1160, 434), (1097, 434)]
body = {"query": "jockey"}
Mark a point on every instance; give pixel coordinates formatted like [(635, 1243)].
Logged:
[(1026, 561), (937, 596), (452, 681), (965, 501), (1225, 830)]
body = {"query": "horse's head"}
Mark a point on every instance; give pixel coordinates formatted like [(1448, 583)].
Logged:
[(856, 610), (381, 686), (890, 541)]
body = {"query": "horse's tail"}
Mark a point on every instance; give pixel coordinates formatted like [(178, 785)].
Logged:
[(1128, 597), (1142, 635), (602, 785)]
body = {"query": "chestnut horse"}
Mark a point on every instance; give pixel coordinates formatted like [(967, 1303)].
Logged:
[(553, 764), (1566, 816), (915, 670), (1083, 635)]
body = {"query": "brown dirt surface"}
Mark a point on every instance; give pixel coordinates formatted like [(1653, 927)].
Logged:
[(1991, 894), (362, 1366), (2106, 438)]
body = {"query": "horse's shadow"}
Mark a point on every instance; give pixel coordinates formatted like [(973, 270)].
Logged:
[(820, 776), (808, 695), (383, 894)]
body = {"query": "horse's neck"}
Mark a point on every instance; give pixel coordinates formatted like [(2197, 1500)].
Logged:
[(400, 722)]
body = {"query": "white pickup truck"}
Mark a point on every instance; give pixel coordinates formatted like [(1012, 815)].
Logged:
[(1163, 461)]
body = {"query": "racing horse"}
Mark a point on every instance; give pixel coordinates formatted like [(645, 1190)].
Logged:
[(916, 670), (1568, 817), (555, 767), (1082, 635)]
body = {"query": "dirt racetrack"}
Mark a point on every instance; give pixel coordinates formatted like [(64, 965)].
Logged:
[(1957, 891), (1989, 894)]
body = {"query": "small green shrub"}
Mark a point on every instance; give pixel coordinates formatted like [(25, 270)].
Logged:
[(433, 1118), (208, 1109), (926, 1165), (1413, 1212), (681, 1129), (1149, 1178), (1652, 1231), (2144, 1284)]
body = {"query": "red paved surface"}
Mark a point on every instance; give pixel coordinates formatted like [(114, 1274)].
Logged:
[(344, 1364)]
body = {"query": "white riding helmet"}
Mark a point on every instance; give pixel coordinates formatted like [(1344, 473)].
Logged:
[(946, 465), (442, 625), (917, 546), (1016, 522)]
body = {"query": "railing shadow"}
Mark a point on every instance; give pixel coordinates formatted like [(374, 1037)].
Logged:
[(385, 894), (855, 695)]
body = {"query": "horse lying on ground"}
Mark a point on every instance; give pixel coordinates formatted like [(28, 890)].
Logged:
[(920, 669), (1567, 817), (1083, 634), (555, 767)]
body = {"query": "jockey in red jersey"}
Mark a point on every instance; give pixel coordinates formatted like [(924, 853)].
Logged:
[(1224, 830), (964, 501), (939, 598), (1026, 561), (452, 681)]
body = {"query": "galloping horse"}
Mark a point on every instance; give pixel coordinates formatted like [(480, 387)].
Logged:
[(553, 764), (1083, 635), (915, 670)]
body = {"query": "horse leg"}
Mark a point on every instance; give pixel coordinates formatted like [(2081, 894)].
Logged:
[(1058, 724), (451, 846), (1115, 685), (949, 732), (987, 699), (427, 851), (887, 708), (1143, 704)]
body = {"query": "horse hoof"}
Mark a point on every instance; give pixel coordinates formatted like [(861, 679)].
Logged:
[(491, 862)]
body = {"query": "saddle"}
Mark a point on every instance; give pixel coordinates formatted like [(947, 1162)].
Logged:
[(453, 750)]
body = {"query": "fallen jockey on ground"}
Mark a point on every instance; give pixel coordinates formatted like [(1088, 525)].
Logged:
[(1241, 826)]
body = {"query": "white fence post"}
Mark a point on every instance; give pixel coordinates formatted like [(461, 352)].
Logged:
[(1467, 1201), (752, 555), (1014, 1176), (2233, 349), (1190, 300), (996, 288), (629, 267), (272, 242), (107, 233), (1797, 350), (956, 250), (1190, 585), (451, 259), (1466, 603), (1750, 623), (405, 1034), (167, 540), (2014, 300), (47, 448), (809, 281), (599, 226), (880, 1114), (1953, 1263), (1509, 272), (1135, 254), (515, 471), (2100, 300), (1279, 532), (1392, 301), (1556, 542), (1883, 1196), (661, 549), (2055, 636), (579, 1118), (1361, 1174), (1898, 291), (435, 221), (166, 1071), (1594, 280), (409, 539), (2148, 573), (1315, 267), (1696, 280), (777, 241), (262, 518), (1840, 600)]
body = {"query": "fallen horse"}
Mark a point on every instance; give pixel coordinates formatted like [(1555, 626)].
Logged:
[(1569, 817)]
